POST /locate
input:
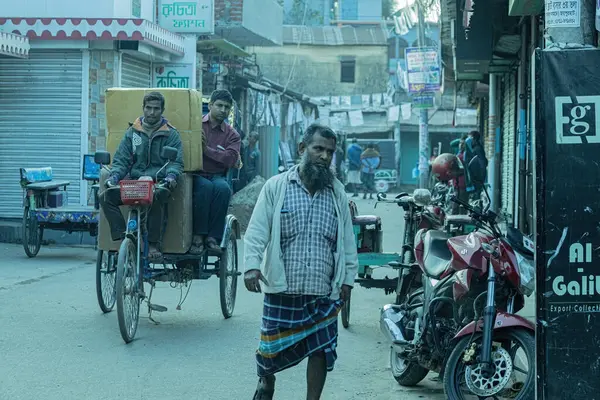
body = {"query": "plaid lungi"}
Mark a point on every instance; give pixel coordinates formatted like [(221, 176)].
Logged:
[(294, 327)]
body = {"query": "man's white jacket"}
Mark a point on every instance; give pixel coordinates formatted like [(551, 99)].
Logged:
[(262, 241)]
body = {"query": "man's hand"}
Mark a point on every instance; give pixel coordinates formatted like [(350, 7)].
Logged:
[(252, 280), (345, 292), (171, 181), (112, 180)]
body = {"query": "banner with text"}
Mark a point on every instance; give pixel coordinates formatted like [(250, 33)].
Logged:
[(173, 75), (423, 69), (567, 144), (192, 16)]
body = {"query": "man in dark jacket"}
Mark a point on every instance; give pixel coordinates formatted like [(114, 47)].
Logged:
[(140, 154), (476, 163), (354, 165)]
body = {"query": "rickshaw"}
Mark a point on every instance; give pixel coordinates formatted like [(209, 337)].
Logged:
[(123, 269), (45, 205), (420, 212)]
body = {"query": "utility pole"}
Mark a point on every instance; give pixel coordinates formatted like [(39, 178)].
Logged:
[(423, 117), (397, 102)]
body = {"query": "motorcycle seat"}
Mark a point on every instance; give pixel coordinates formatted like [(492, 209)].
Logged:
[(364, 220), (436, 254), (459, 220)]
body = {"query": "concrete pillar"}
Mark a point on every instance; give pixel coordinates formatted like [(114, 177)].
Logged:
[(494, 158), (190, 42), (573, 36)]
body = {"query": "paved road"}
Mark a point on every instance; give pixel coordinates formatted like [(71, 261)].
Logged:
[(56, 344)]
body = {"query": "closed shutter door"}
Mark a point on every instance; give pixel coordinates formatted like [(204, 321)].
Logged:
[(509, 132), (40, 122), (135, 73)]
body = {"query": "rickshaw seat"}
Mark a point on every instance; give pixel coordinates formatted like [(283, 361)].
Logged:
[(40, 179), (46, 185), (364, 220)]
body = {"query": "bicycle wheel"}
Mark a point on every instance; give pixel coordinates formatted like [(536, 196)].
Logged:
[(106, 280), (128, 290), (228, 270), (32, 234)]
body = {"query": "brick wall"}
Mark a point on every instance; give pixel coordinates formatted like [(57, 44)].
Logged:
[(103, 75), (228, 12)]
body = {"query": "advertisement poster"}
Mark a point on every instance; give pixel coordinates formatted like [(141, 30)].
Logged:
[(567, 145), (562, 14), (423, 69)]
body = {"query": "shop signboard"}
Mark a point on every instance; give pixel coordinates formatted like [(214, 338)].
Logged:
[(567, 144)]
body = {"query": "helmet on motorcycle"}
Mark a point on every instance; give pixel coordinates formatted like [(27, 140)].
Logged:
[(446, 167)]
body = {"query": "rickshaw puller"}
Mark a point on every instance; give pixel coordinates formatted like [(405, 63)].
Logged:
[(140, 154)]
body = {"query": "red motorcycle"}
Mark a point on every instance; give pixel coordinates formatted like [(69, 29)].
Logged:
[(459, 319)]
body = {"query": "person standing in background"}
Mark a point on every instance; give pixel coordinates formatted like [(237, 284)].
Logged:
[(251, 158), (370, 160), (354, 166)]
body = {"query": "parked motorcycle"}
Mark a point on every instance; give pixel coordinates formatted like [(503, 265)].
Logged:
[(458, 316)]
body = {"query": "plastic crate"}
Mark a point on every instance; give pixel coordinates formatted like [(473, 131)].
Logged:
[(137, 192)]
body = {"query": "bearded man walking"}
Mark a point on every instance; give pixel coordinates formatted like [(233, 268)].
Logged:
[(302, 220)]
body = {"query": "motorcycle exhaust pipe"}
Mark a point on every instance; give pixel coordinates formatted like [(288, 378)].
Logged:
[(388, 324)]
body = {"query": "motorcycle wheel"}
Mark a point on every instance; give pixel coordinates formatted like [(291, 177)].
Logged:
[(456, 369), (406, 373)]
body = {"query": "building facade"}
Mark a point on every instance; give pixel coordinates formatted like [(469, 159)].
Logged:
[(53, 99)]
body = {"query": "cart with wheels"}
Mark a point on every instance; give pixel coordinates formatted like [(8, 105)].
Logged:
[(369, 235), (126, 270), (46, 205)]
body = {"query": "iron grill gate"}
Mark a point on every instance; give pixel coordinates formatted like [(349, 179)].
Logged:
[(40, 122), (509, 131), (135, 73)]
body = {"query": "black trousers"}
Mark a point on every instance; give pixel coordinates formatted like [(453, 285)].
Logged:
[(211, 201), (110, 201)]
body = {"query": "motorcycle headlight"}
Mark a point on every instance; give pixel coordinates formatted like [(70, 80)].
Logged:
[(526, 273)]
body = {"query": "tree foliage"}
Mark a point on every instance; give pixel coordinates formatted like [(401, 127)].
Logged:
[(302, 14)]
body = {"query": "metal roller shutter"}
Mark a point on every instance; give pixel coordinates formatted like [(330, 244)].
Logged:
[(509, 131), (135, 73), (40, 122)]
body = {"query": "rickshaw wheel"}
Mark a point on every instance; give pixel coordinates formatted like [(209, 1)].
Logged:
[(106, 280), (228, 270), (32, 234), (346, 311), (128, 290)]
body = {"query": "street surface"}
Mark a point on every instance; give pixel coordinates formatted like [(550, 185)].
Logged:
[(56, 344)]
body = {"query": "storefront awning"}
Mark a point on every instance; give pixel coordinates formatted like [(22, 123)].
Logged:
[(14, 45), (223, 46)]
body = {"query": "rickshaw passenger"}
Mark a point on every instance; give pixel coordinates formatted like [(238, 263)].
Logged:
[(212, 192), (139, 154)]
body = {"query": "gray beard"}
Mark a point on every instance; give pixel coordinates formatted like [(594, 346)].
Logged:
[(314, 176)]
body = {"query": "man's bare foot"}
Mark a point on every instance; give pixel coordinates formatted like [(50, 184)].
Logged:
[(154, 253), (197, 245), (212, 244)]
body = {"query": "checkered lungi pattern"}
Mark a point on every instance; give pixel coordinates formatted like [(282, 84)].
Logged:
[(293, 328)]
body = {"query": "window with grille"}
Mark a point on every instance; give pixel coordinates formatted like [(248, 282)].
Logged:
[(348, 71)]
